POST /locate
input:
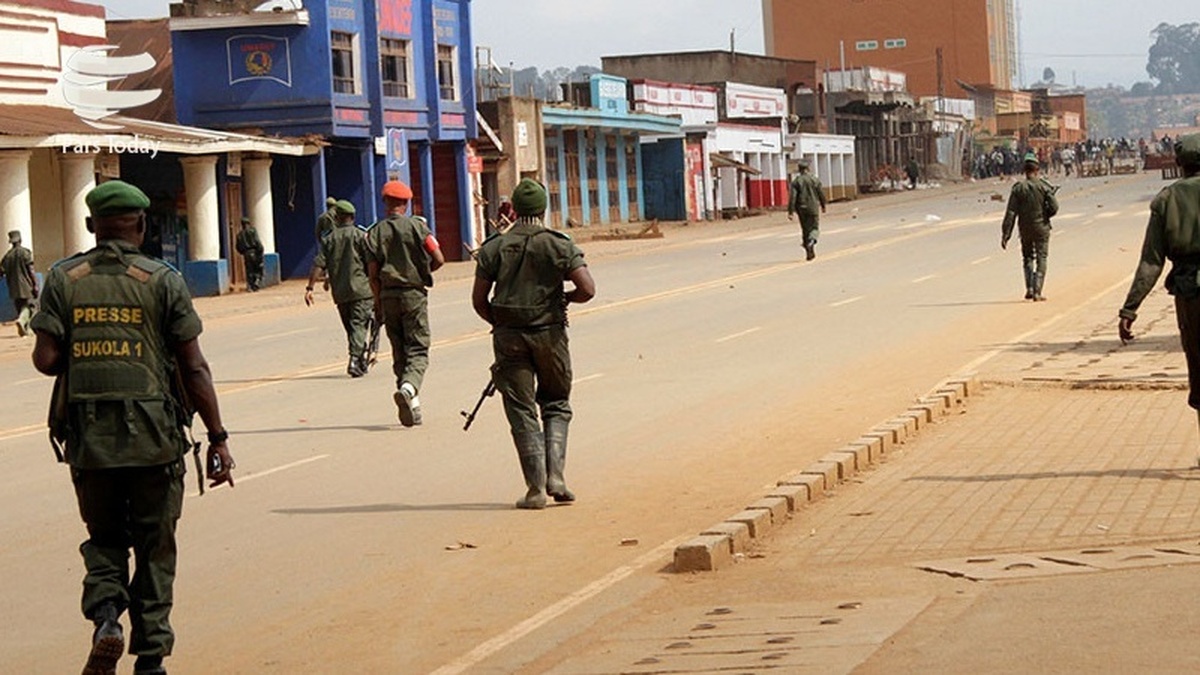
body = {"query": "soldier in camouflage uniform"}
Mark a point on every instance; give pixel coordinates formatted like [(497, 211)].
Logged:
[(1031, 204), (16, 267), (327, 221), (343, 256), (117, 328), (251, 247), (527, 266), (1174, 234), (807, 200), (402, 255)]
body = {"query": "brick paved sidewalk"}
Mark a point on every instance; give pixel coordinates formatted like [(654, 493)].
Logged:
[(1075, 443)]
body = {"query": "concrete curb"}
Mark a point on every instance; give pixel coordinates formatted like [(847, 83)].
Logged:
[(717, 547)]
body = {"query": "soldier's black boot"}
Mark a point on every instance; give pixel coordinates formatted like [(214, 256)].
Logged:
[(531, 449), (108, 642), (149, 665), (556, 460), (810, 251)]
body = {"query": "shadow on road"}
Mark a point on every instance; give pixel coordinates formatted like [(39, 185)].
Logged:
[(391, 508)]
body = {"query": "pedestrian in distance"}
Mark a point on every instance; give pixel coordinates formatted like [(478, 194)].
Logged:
[(343, 257), (402, 255), (17, 269), (1173, 233), (118, 331), (807, 200), (251, 247), (327, 221), (519, 290), (913, 171), (1031, 205)]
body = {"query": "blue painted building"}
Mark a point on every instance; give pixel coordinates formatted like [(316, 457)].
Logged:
[(386, 86), (594, 171)]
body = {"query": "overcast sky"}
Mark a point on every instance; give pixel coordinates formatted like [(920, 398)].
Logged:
[(1093, 42)]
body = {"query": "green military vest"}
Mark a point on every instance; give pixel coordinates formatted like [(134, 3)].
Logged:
[(343, 256), (120, 408), (528, 265), (398, 245)]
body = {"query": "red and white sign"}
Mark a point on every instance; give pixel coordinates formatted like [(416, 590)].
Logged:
[(748, 101)]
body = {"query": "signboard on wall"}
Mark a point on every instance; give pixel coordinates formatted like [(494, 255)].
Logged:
[(697, 106), (259, 57), (445, 23), (397, 149), (747, 101), (396, 17)]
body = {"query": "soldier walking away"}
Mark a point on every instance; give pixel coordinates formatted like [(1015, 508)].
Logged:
[(343, 256), (402, 255), (251, 247), (807, 200), (17, 269), (527, 266), (327, 221), (1031, 205), (118, 330), (1174, 234)]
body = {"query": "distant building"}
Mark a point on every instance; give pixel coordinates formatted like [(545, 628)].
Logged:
[(977, 38), (62, 131), (387, 86)]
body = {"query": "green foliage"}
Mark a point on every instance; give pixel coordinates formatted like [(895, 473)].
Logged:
[(1175, 58)]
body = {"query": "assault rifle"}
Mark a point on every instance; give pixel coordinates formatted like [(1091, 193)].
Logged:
[(488, 391)]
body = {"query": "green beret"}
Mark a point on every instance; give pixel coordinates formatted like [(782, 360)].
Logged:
[(1031, 158), (245, 220), (114, 198), (1187, 150), (14, 236), (344, 207), (529, 198), (330, 202)]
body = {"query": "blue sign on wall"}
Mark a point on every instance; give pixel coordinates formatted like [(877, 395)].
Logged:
[(397, 149), (259, 57)]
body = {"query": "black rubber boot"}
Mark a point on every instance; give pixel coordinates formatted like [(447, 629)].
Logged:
[(108, 642), (556, 460), (531, 449)]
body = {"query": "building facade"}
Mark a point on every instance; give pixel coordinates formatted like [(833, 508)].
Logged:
[(939, 44), (61, 133), (385, 85)]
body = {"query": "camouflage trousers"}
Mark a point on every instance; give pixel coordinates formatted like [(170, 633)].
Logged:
[(533, 375), (1035, 251), (355, 316), (406, 318), (810, 227), (132, 508)]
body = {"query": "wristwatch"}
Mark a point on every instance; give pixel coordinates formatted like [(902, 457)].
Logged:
[(215, 437)]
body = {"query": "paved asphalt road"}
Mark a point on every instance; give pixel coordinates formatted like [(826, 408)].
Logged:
[(709, 364)]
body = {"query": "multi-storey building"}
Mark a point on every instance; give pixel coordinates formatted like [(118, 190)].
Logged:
[(946, 47), (386, 85)]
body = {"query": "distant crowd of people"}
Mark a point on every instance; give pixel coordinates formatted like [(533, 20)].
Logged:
[(1065, 160)]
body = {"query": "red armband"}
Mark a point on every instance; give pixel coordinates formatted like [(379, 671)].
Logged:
[(431, 244)]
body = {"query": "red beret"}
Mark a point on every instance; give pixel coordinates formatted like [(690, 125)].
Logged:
[(397, 190)]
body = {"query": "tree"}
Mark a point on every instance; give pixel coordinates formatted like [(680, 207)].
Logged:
[(1175, 58), (1048, 75), (1141, 89)]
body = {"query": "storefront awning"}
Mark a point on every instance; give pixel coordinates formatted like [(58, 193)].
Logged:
[(728, 163), (39, 126)]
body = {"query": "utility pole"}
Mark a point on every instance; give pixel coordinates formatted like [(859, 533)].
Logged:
[(941, 77)]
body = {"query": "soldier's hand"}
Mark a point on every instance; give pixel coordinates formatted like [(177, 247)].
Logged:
[(219, 465), (1004, 243), (1125, 330), (308, 297)]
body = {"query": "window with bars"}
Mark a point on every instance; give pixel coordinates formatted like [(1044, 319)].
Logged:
[(345, 75), (447, 73), (395, 67)]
